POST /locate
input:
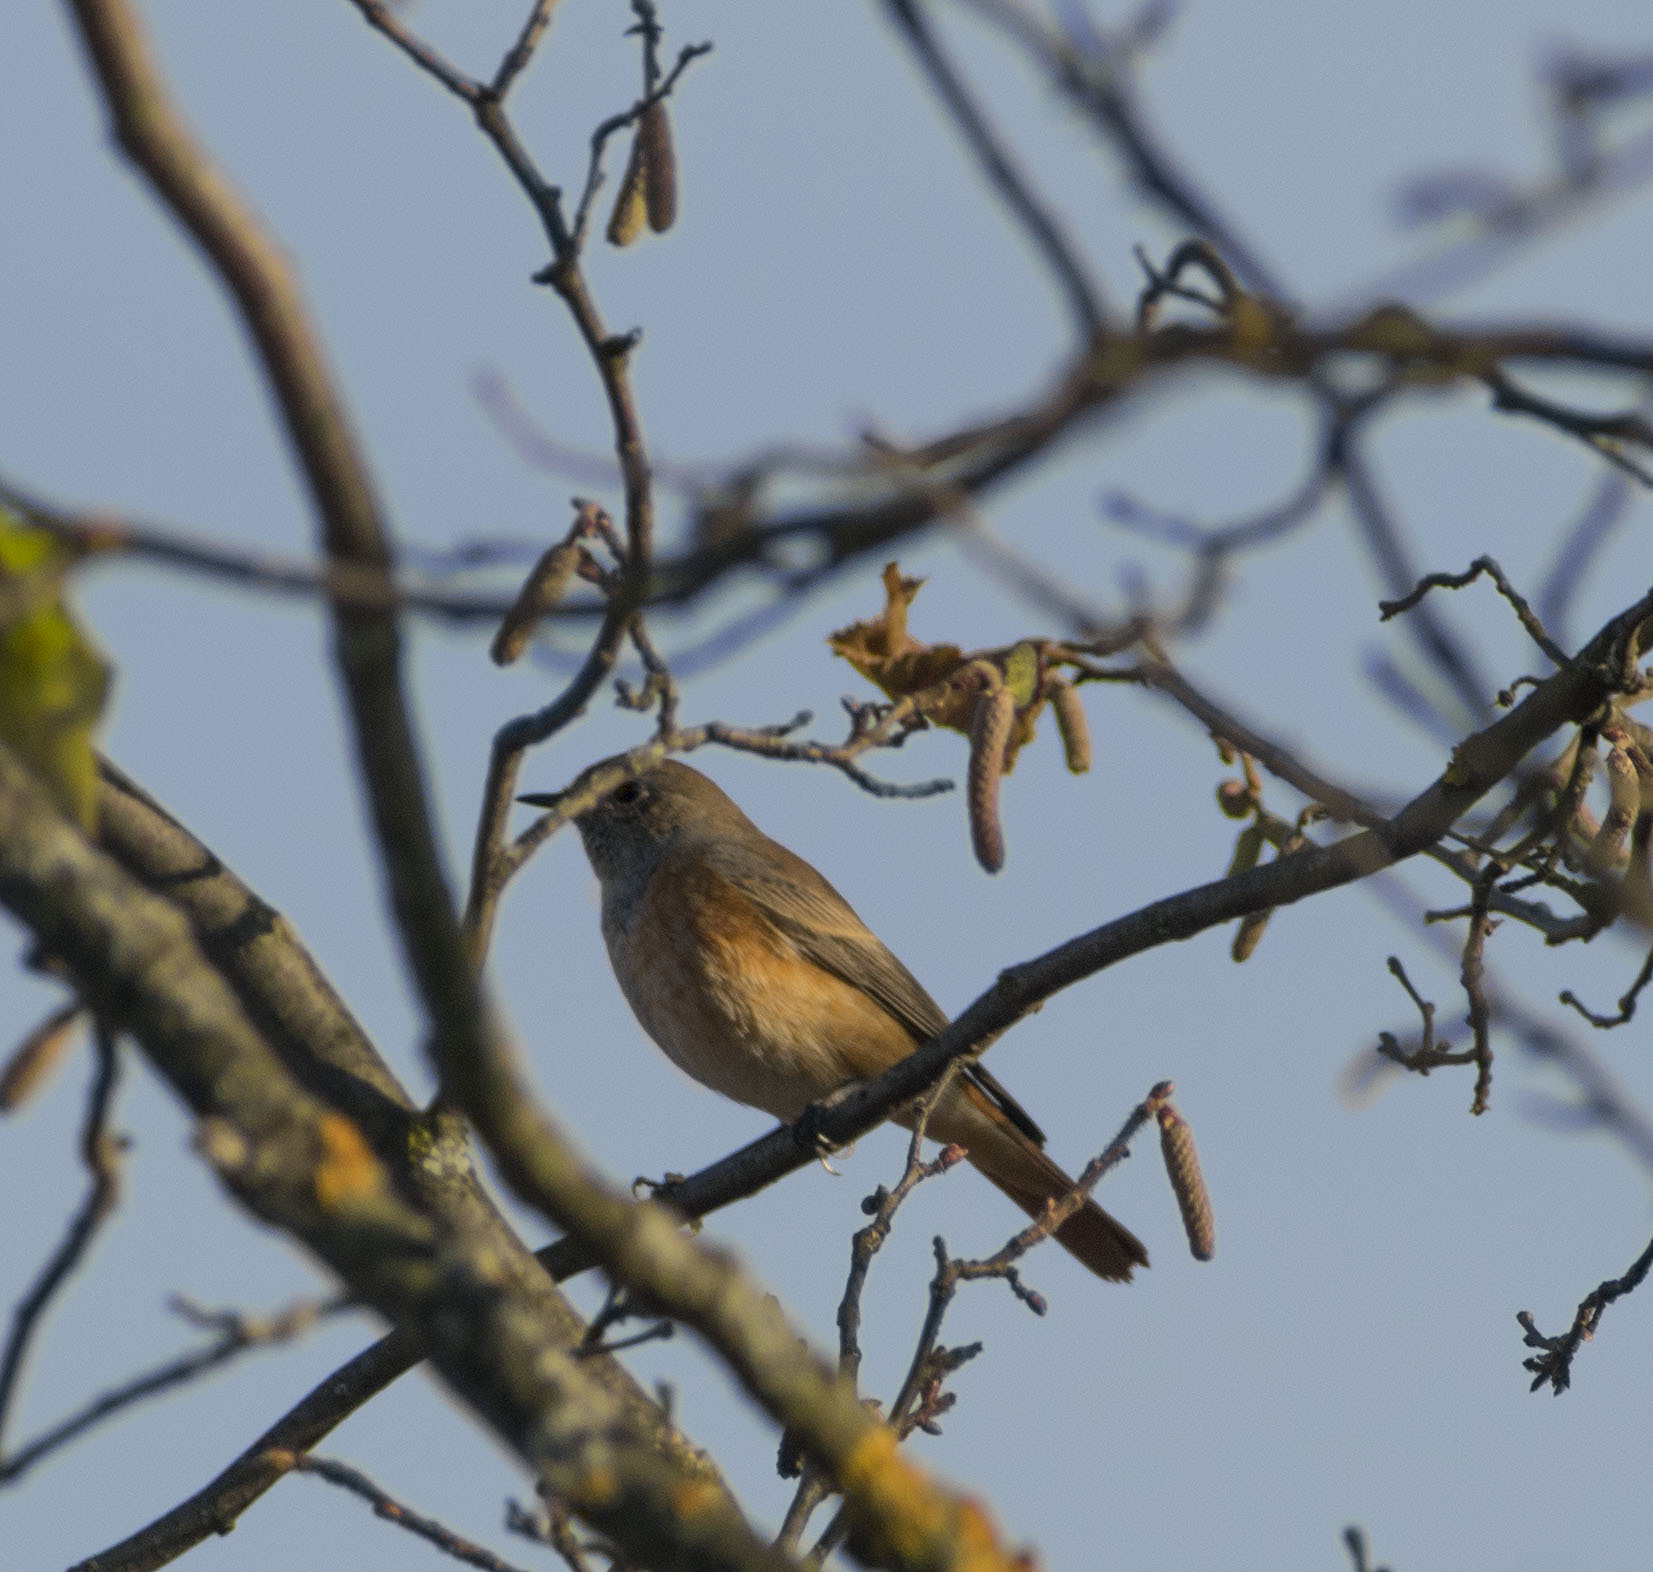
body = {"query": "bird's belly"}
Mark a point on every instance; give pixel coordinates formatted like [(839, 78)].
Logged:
[(748, 1017)]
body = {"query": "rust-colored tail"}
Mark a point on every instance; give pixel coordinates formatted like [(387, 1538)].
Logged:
[(1092, 1237), (1020, 1168)]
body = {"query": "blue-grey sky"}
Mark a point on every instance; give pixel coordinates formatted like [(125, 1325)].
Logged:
[(1352, 1354)]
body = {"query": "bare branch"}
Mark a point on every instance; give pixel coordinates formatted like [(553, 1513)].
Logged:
[(99, 1151), (1554, 1367), (1627, 1002), (305, 1167), (1523, 611), (518, 56), (393, 1511), (1094, 69), (236, 1334), (1011, 183)]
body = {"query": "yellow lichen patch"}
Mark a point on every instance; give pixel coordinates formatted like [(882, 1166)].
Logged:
[(53, 681), (1395, 330), (421, 1141), (904, 1516), (978, 1540), (695, 1497), (597, 1490), (892, 1504), (1459, 771), (348, 1170)]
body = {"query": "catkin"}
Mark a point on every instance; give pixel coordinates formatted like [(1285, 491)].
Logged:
[(625, 223), (1069, 710), (990, 731), (654, 138), (1249, 934), (1248, 848), (1182, 1164), (541, 591)]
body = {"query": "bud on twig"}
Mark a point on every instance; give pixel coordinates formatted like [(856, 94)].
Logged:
[(1182, 1164), (990, 731), (1234, 798), (1069, 710)]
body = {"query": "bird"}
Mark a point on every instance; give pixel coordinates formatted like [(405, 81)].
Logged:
[(757, 977)]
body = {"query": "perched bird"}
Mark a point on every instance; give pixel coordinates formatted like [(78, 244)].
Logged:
[(760, 981)]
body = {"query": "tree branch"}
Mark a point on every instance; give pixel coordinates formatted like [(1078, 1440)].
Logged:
[(307, 1169)]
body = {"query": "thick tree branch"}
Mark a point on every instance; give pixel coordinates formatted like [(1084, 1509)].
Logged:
[(321, 1044), (353, 530), (306, 1168)]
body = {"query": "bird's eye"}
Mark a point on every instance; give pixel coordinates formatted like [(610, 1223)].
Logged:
[(626, 793)]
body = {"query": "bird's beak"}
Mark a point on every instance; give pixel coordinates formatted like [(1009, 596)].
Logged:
[(541, 799)]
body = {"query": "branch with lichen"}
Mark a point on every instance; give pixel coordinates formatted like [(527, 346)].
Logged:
[(307, 1168)]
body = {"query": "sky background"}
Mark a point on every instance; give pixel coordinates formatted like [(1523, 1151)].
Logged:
[(1352, 1355)]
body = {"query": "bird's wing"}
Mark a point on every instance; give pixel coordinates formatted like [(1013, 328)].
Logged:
[(825, 929), (1011, 1109)]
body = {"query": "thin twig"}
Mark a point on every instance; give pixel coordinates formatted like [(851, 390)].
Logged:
[(1429, 1054), (1523, 216), (610, 356), (881, 1206), (1095, 71), (1382, 539), (1554, 1366), (996, 163), (99, 1152), (521, 52), (237, 1333), (1627, 1001), (1602, 512), (920, 1398), (102, 535), (1524, 613), (951, 1271), (393, 1511), (1472, 972), (1606, 435), (1354, 1541)]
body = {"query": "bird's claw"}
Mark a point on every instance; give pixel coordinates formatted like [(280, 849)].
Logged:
[(821, 1158), (807, 1127)]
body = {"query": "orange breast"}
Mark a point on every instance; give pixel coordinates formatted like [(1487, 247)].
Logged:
[(733, 1003)]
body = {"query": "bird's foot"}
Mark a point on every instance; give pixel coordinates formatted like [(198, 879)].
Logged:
[(807, 1128)]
